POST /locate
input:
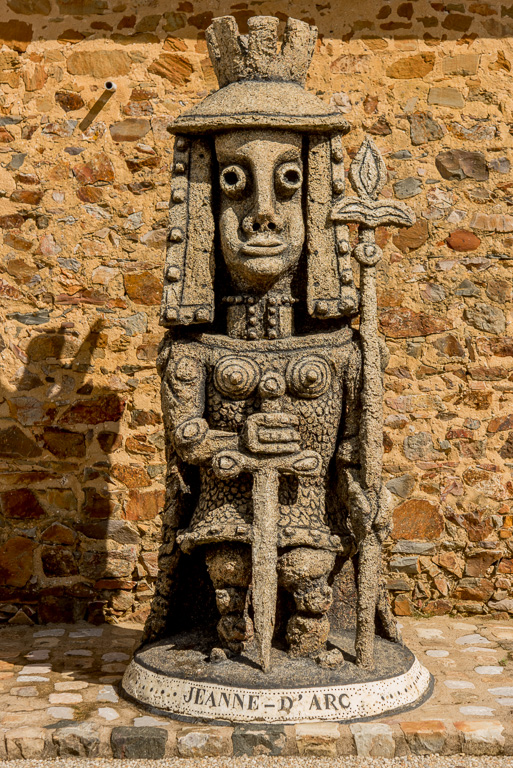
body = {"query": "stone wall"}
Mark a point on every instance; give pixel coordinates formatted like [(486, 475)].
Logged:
[(84, 179)]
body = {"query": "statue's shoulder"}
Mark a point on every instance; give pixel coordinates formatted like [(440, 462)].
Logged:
[(173, 349)]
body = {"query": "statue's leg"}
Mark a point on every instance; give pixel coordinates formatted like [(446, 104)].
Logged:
[(304, 573), (229, 567)]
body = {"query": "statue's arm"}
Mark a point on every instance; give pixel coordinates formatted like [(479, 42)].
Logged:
[(348, 447), (364, 517), (184, 375)]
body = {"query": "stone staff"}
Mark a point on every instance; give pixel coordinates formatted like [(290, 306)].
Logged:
[(368, 504)]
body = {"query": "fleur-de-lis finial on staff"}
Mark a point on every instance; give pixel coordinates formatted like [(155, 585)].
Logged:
[(368, 498)]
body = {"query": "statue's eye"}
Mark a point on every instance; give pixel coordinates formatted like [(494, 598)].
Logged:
[(233, 180), (288, 178)]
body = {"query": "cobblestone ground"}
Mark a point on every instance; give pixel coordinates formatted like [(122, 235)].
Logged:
[(434, 761), (58, 698)]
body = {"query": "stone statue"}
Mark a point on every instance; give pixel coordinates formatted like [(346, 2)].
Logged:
[(272, 402)]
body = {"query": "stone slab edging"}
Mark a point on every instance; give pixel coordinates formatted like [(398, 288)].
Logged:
[(394, 738)]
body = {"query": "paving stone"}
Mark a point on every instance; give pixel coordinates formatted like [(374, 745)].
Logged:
[(38, 655), (481, 737), (108, 713), (504, 690), (425, 737), (71, 685), (35, 669), (131, 743), (317, 739), (428, 633), (147, 720), (437, 654), (204, 742), (107, 693), (458, 685), (477, 649), (81, 740), (65, 698), (27, 742), (258, 740), (373, 739), (86, 632), (489, 670), (61, 713), (477, 711), (50, 633), (115, 656), (472, 640), (28, 690)]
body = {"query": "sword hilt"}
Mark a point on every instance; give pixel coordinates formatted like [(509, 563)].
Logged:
[(228, 464)]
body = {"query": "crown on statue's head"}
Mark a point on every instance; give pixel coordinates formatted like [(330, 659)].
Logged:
[(257, 55), (261, 81)]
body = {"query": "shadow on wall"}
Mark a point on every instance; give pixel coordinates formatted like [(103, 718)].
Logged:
[(74, 21), (66, 554)]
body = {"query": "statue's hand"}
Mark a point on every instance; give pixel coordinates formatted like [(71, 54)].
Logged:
[(368, 511), (271, 433), (196, 443)]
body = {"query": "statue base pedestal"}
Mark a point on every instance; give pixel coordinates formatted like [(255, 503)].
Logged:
[(175, 678)]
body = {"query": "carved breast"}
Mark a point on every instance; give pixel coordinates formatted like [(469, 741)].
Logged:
[(237, 377)]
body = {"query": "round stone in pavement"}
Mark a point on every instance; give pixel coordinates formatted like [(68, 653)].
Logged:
[(437, 654)]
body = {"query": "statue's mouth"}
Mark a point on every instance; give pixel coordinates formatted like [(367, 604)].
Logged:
[(263, 246)]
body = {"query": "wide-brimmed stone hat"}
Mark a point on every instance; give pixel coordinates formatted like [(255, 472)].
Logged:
[(261, 82)]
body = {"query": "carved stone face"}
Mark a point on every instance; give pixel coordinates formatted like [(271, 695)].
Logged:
[(261, 224)]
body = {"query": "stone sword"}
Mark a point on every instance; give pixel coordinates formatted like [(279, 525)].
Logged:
[(266, 470)]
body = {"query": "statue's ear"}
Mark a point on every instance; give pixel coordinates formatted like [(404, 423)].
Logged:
[(188, 295), (330, 288)]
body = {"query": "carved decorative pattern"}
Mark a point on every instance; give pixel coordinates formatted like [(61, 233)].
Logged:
[(368, 173), (309, 377), (236, 376)]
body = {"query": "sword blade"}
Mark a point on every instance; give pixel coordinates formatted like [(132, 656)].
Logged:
[(265, 559)]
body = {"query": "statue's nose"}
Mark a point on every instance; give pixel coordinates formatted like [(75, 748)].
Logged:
[(265, 224), (263, 217)]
